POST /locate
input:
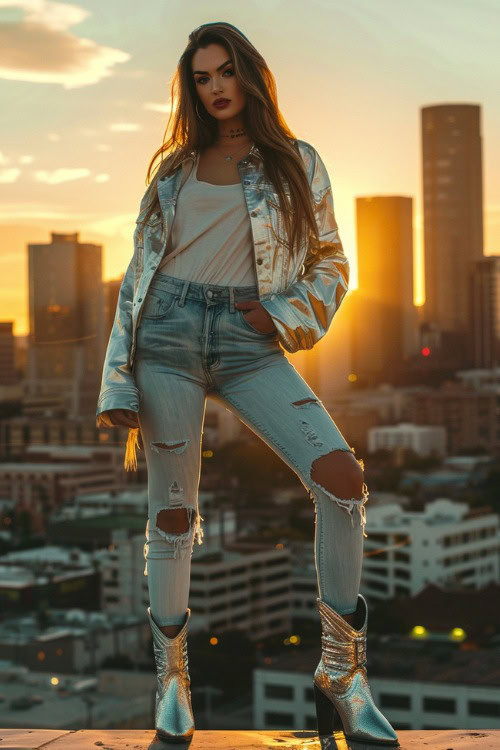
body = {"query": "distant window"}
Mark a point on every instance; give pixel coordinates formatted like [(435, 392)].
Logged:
[(440, 705), (218, 574), (484, 708), (281, 692), (276, 622), (392, 700), (239, 618)]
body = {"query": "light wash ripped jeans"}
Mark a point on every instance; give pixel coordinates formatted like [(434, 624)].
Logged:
[(192, 343)]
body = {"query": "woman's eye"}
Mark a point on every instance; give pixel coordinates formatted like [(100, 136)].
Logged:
[(200, 80)]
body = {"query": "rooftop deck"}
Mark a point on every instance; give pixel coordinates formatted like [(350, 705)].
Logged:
[(136, 739)]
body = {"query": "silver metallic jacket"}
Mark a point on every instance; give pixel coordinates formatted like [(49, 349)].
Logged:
[(301, 294)]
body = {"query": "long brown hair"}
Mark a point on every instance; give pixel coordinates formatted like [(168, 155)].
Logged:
[(263, 123)]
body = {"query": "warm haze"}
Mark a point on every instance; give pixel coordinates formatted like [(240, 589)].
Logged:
[(85, 88)]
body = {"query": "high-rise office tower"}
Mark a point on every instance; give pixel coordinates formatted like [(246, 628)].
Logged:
[(384, 321), (484, 313), (453, 215), (8, 374), (66, 314)]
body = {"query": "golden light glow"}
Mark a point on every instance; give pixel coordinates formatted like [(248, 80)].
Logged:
[(352, 377), (214, 641), (207, 454), (418, 632), (458, 634), (54, 680)]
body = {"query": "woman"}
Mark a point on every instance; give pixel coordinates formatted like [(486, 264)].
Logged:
[(252, 264)]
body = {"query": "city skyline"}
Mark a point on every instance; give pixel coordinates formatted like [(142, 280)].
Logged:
[(103, 91)]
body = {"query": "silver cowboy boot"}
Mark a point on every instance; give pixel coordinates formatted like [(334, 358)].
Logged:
[(174, 720), (341, 690)]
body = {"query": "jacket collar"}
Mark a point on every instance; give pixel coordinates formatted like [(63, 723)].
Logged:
[(169, 187)]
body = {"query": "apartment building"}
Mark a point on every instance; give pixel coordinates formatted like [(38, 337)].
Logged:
[(447, 543), (234, 583), (422, 439), (244, 586), (414, 687)]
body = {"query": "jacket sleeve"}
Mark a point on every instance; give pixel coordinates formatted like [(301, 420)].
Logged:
[(118, 389), (303, 312)]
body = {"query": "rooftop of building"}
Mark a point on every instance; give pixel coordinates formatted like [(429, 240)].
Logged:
[(439, 512), (408, 659), (144, 739)]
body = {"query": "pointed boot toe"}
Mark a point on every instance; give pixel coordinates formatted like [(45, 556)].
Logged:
[(343, 697), (174, 721)]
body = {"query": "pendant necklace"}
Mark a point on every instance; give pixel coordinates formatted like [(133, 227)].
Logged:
[(229, 157)]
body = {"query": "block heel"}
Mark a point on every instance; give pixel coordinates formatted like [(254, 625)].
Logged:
[(327, 716)]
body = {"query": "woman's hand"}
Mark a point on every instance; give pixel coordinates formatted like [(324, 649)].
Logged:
[(120, 417), (258, 316)]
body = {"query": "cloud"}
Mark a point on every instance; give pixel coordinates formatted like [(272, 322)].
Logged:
[(63, 174), (30, 211), (124, 127), (36, 46), (9, 175), (157, 107)]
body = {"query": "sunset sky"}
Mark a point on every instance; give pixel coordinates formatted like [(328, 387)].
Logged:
[(85, 92)]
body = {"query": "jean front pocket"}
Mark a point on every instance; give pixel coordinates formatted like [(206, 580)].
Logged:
[(250, 327), (157, 304)]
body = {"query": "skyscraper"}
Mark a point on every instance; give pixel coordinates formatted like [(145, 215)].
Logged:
[(453, 215), (8, 374), (66, 315), (384, 323), (484, 313)]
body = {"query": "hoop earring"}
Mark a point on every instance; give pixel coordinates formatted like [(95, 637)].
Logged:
[(199, 117)]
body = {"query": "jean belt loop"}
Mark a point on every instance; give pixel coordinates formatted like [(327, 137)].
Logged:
[(184, 292), (231, 299)]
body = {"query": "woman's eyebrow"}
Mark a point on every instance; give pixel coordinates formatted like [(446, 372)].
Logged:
[(206, 71)]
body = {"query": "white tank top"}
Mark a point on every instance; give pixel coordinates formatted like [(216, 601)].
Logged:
[(211, 237)]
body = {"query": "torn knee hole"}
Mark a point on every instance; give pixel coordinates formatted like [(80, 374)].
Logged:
[(345, 495), (176, 521), (184, 527), (174, 445), (345, 472), (180, 539)]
